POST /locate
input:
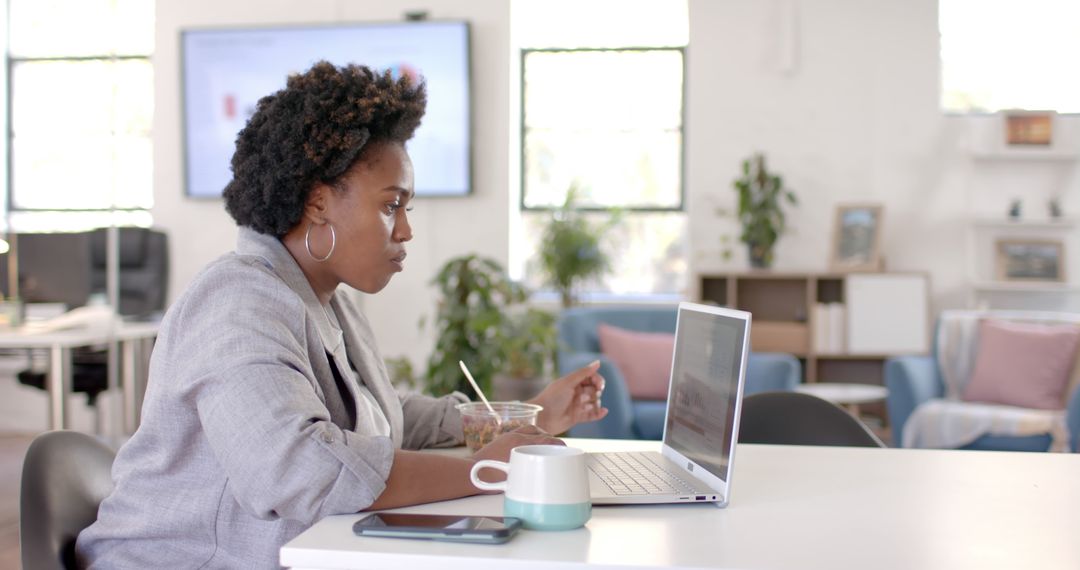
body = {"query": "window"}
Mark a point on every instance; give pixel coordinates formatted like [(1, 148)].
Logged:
[(602, 111), (81, 106), (1009, 54)]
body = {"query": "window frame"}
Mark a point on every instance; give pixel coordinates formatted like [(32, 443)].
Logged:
[(523, 163)]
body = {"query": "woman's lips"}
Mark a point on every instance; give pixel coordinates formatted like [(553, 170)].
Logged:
[(399, 261)]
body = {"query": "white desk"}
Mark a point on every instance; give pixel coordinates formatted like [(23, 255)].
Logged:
[(132, 338), (792, 507)]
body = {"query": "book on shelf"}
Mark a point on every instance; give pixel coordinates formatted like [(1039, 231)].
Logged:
[(830, 328)]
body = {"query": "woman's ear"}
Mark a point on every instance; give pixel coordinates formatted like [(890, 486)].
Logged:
[(317, 203)]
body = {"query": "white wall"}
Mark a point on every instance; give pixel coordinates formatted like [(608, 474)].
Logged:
[(841, 94), (443, 227)]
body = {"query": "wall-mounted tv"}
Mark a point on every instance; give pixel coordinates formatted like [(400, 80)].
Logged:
[(226, 71)]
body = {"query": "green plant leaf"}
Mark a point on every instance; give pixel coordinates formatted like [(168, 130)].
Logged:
[(475, 323), (760, 194)]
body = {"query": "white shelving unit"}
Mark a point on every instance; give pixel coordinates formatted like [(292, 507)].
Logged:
[(1035, 176), (1035, 155)]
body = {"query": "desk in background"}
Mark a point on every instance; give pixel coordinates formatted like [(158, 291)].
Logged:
[(792, 507), (134, 341)]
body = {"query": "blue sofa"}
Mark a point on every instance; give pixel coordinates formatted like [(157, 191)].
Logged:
[(912, 380), (644, 419)]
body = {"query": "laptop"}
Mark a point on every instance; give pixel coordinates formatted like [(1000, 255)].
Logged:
[(701, 425)]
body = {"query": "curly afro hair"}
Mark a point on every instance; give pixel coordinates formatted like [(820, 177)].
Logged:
[(313, 131)]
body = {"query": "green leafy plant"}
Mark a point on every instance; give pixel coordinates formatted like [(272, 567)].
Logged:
[(402, 374), (529, 344), (761, 197), (476, 322), (570, 251)]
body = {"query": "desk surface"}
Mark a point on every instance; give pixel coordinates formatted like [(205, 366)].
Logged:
[(792, 507), (76, 336)]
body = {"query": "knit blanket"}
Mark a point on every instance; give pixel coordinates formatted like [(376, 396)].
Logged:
[(950, 422)]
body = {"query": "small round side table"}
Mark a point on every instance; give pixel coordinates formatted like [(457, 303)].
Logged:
[(847, 395)]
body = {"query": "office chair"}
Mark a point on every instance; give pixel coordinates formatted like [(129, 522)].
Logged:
[(65, 476), (143, 263), (794, 418)]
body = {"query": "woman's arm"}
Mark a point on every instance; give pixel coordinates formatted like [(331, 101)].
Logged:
[(417, 477)]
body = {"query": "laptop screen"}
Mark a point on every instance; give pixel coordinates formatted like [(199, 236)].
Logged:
[(705, 387)]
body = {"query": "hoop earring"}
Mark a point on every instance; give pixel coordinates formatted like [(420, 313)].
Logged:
[(307, 242)]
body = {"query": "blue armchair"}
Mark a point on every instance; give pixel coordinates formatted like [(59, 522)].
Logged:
[(644, 419), (913, 380)]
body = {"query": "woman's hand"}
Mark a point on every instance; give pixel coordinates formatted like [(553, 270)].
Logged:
[(571, 400), (499, 448)]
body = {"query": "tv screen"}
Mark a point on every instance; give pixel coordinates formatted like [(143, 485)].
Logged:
[(227, 71)]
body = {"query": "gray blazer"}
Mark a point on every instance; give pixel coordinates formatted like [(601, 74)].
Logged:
[(246, 439)]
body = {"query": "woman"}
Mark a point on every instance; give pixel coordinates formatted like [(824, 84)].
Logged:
[(269, 406)]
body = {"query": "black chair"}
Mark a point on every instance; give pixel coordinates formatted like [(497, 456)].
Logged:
[(65, 476), (143, 264), (794, 418)]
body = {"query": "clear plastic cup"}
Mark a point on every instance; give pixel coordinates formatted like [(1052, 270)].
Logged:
[(481, 426)]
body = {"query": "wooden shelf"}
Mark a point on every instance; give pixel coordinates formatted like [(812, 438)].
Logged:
[(1025, 286), (784, 318), (1045, 224), (1032, 154)]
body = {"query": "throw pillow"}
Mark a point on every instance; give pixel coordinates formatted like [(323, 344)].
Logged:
[(644, 358), (1023, 364)]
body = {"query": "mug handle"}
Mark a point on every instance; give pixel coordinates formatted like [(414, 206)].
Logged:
[(484, 485)]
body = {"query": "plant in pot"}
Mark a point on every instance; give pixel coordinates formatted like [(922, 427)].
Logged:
[(761, 196), (528, 354), (476, 323), (570, 251)]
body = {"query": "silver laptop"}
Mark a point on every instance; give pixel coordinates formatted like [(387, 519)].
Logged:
[(702, 422)]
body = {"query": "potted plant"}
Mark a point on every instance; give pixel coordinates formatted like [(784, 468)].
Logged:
[(761, 197), (402, 374), (570, 249), (477, 321), (528, 354)]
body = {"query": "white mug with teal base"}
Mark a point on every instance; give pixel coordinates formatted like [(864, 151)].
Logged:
[(547, 486)]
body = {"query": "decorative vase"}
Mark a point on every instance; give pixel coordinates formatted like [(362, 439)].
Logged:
[(760, 256)]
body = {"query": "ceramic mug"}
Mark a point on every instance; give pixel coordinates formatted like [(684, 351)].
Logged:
[(547, 486)]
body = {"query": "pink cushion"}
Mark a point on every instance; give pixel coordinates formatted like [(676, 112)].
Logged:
[(644, 358), (1023, 364)]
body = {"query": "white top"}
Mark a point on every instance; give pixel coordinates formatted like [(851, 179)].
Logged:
[(792, 507), (374, 420)]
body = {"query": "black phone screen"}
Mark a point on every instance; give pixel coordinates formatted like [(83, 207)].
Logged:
[(438, 527)]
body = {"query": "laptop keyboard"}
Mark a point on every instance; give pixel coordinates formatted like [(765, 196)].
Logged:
[(630, 473)]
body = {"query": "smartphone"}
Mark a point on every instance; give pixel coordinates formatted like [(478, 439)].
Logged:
[(457, 528)]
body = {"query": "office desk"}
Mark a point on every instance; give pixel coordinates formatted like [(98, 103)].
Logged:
[(792, 507), (133, 340)]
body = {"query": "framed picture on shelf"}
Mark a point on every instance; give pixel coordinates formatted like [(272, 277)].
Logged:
[(1029, 128), (1030, 260), (856, 244)]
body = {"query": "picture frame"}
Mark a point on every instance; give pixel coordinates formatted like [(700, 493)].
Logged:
[(1029, 128), (1030, 260), (856, 240)]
